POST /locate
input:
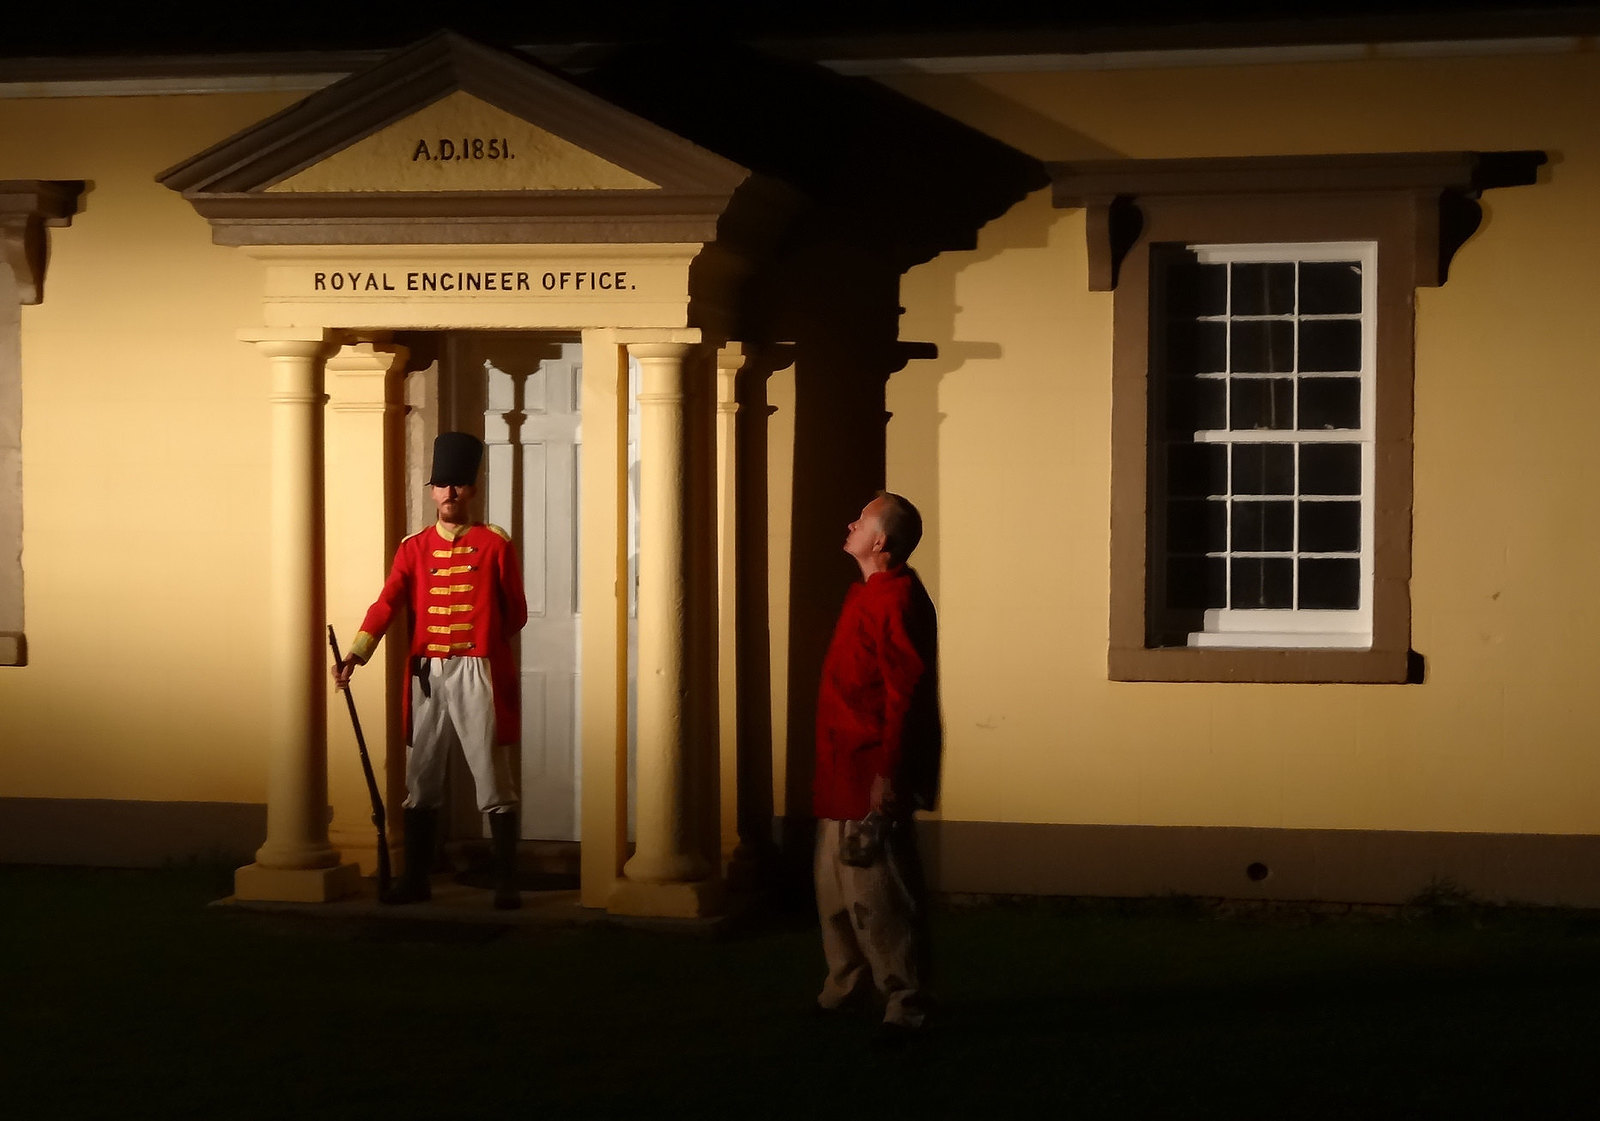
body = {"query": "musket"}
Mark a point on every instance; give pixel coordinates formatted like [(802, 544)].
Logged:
[(366, 769)]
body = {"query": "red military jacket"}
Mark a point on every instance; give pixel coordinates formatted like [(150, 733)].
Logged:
[(465, 595), (877, 708)]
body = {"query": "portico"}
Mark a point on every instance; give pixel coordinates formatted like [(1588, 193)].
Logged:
[(596, 233)]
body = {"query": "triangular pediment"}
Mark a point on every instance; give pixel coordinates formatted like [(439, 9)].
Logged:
[(451, 140), (463, 143)]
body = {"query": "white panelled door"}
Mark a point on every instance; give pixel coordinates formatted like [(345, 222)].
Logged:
[(533, 458)]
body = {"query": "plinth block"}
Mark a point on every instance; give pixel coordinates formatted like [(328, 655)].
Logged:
[(696, 899), (296, 885)]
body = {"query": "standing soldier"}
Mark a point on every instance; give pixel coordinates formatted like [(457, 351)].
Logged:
[(463, 583)]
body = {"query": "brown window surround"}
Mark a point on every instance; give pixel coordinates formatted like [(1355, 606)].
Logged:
[(1418, 208), (27, 207)]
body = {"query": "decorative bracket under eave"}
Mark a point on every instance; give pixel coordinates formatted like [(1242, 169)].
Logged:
[(27, 206), (1444, 187)]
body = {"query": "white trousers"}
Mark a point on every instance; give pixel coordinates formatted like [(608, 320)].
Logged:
[(458, 708), (873, 925)]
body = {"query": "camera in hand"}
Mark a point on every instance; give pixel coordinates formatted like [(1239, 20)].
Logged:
[(861, 842)]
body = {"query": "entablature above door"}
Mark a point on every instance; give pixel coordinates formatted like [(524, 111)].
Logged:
[(478, 286)]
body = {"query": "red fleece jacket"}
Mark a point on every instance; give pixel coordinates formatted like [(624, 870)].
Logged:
[(877, 709)]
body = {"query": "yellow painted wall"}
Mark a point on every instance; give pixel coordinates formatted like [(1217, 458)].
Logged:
[(1501, 737), (145, 478), (145, 443)]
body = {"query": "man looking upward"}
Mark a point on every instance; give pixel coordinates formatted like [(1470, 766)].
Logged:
[(463, 583), (878, 740)]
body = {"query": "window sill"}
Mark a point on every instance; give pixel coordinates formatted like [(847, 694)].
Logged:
[(1268, 640), (1178, 663)]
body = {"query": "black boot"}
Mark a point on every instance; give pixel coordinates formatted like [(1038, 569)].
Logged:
[(503, 833), (421, 825)]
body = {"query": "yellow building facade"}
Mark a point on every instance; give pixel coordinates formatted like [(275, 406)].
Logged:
[(235, 315)]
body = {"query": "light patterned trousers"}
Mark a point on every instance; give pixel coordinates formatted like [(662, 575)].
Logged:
[(873, 924), (459, 708)]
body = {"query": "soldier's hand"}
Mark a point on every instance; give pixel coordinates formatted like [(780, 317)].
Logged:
[(342, 671)]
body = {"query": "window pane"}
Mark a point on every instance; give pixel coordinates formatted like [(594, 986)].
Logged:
[(1196, 405), (1261, 403), (1263, 469), (1330, 287), (1197, 469), (1330, 403), (1330, 584), (1329, 469), (1196, 348), (1261, 582), (1330, 527), (1263, 527), (1330, 345), (1260, 414), (1262, 346), (1196, 583), (1263, 289), (1195, 289), (1196, 526)]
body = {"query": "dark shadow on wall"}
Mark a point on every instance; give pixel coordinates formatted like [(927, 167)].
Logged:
[(754, 859), (872, 184), (916, 394)]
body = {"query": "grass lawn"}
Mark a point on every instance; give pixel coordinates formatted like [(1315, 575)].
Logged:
[(126, 996)]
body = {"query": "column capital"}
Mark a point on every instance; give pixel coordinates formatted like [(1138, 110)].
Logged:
[(659, 351), (368, 358), (730, 360), (625, 336), (366, 376), (289, 342), (661, 367)]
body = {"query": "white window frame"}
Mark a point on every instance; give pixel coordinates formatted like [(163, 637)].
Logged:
[(1295, 628)]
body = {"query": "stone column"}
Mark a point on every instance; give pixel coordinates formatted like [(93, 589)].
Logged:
[(297, 862), (366, 519), (730, 360), (667, 874)]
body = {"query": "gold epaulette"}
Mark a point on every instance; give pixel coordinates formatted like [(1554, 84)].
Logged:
[(497, 530)]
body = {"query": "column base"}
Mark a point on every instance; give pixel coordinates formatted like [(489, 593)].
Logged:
[(696, 899), (296, 885)]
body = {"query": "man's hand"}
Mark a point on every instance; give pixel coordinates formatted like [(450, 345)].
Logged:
[(342, 671), (882, 798)]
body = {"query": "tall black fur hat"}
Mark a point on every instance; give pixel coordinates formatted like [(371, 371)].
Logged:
[(456, 456)]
